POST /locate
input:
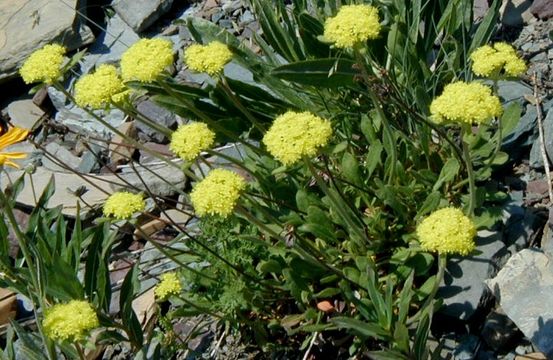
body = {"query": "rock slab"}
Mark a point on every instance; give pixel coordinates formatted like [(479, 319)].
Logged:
[(463, 289), (523, 287), (140, 14), (27, 25)]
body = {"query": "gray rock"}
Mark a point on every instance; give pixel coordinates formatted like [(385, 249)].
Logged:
[(524, 133), (463, 289), (536, 159), (513, 91), (516, 12), (79, 119), (158, 115), (523, 288), (64, 159), (161, 179), (24, 113), (66, 185), (466, 350), (542, 9), (110, 45), (139, 14), (235, 151), (89, 163), (27, 25)]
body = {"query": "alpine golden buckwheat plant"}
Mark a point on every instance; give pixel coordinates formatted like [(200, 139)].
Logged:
[(43, 65), (70, 321), (326, 190)]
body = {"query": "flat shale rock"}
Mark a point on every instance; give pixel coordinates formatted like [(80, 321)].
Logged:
[(139, 14), (542, 9), (523, 288), (27, 25), (463, 288), (65, 185)]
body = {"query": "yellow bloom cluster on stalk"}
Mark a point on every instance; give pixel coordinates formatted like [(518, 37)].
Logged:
[(210, 58), (12, 136), (71, 321), (296, 134), (217, 193), (123, 204), (100, 88), (44, 65), (492, 61), (146, 59), (169, 285), (447, 231), (466, 103), (352, 26), (189, 140)]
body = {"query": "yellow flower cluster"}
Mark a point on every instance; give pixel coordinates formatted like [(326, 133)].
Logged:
[(447, 231), (123, 204), (296, 134), (491, 61), (467, 103), (169, 285), (190, 139), (98, 89), (352, 26), (70, 321), (210, 58), (44, 65), (146, 59), (218, 193)]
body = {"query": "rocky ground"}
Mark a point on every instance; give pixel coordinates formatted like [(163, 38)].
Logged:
[(489, 312)]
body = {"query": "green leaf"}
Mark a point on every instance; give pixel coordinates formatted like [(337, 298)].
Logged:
[(486, 26), (129, 289), (511, 117), (270, 266), (328, 293), (350, 168), (374, 157), (429, 204), (419, 347), (328, 73), (360, 328), (386, 355), (449, 171)]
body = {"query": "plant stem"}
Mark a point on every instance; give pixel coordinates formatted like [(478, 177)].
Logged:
[(542, 138), (442, 262), (470, 171), (80, 351), (387, 131)]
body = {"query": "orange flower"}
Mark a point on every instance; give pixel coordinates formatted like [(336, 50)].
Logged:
[(12, 136)]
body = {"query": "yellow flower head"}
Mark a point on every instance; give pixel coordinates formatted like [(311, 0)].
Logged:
[(492, 61), (352, 26), (190, 139), (98, 89), (447, 231), (210, 58), (467, 103), (12, 136), (70, 321), (146, 59), (123, 204), (44, 65), (294, 135), (169, 285), (218, 193)]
